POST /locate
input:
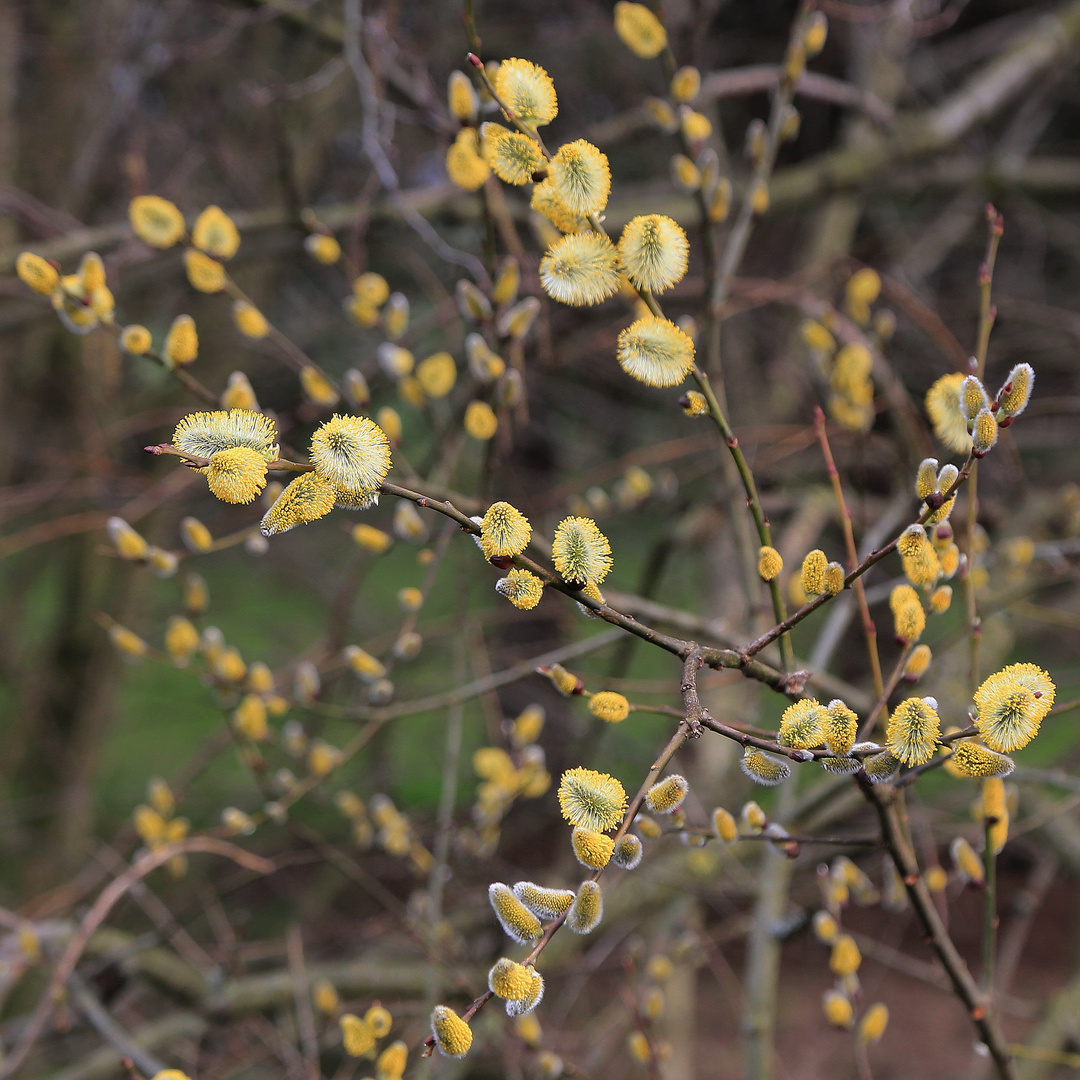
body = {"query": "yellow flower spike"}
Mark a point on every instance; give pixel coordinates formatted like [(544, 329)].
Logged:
[(909, 621), (720, 204), (531, 999), (509, 980), (695, 404), (582, 268), (966, 861), (408, 524), (813, 572), (390, 1064), (317, 387), (940, 599), (759, 197), (129, 544), (918, 663), (863, 287), (753, 817), (196, 594), (995, 811), (305, 499), (724, 825), (504, 531), (628, 852), (837, 1009), (637, 1042), (480, 421), (91, 272), (647, 827), (228, 665), (1012, 704), (363, 663), (352, 452), (825, 927), (943, 408), (654, 252), (845, 957), (1015, 394), (181, 342), (639, 30), (922, 569), (215, 233), (546, 203), (913, 730), (464, 166), (832, 580), (528, 91), (528, 1030), (873, 1024), (371, 288), (358, 1038), (379, 1020), (911, 540), (926, 480), (371, 539), (38, 273), (249, 719), (815, 32), (128, 644), (762, 768), (970, 759), (802, 725), (973, 398), (395, 361), (610, 707), (507, 279), (149, 825), (686, 174), (517, 921), (249, 320), (543, 903), (236, 475), (984, 433), (580, 551), (461, 97), (587, 910), (437, 374), (666, 796), (181, 640), (656, 352), (156, 221), (323, 248), (512, 156), (580, 177), (239, 394), (325, 996), (770, 563), (695, 126), (517, 321), (522, 588), (880, 768), (195, 535), (839, 727), (592, 799), (591, 849), (205, 274), (410, 598), (685, 84)]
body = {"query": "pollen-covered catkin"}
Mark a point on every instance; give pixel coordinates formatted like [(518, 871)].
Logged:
[(452, 1034), (813, 572), (666, 796), (587, 909), (516, 920)]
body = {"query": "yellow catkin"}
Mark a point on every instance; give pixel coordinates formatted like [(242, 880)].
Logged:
[(724, 825), (609, 706), (357, 1036), (873, 1024), (390, 1064), (592, 849), (480, 421), (639, 29), (666, 796), (995, 812), (587, 910), (845, 957), (813, 572), (181, 342), (770, 563), (837, 1009), (36, 272), (249, 320), (205, 274), (452, 1034)]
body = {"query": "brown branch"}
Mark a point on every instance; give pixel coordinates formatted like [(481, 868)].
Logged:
[(97, 914)]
